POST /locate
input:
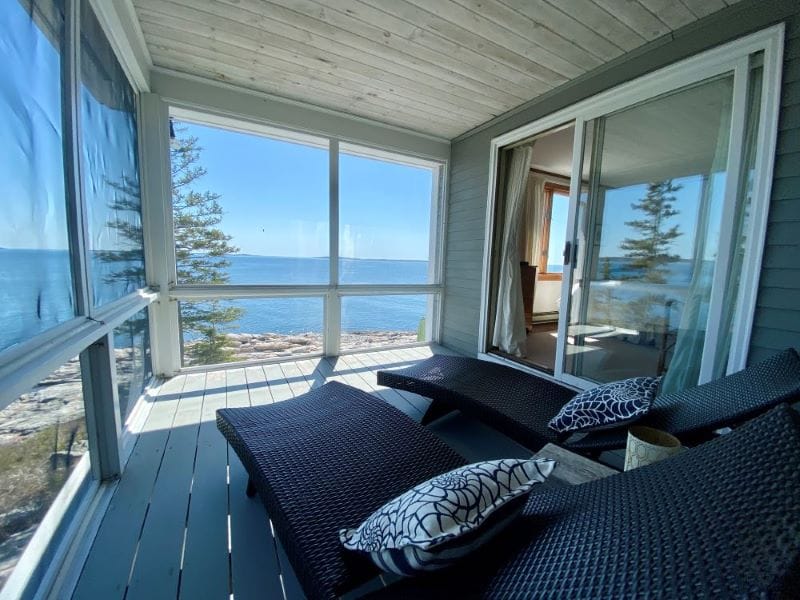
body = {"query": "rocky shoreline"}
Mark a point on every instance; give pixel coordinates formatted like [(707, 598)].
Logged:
[(264, 346)]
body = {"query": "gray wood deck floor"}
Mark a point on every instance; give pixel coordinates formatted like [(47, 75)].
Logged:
[(180, 525)]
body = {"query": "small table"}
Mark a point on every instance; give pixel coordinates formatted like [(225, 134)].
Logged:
[(571, 468)]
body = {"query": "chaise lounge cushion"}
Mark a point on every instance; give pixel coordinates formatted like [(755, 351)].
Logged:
[(720, 520), (440, 521), (325, 459)]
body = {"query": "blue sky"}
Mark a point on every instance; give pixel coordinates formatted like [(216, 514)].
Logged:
[(31, 171), (275, 197), (687, 200)]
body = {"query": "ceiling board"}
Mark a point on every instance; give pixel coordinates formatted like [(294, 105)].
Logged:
[(439, 67)]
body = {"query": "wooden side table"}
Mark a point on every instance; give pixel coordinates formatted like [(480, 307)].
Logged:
[(571, 468)]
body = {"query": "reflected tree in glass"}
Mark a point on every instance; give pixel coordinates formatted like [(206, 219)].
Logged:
[(648, 253), (132, 356), (110, 167)]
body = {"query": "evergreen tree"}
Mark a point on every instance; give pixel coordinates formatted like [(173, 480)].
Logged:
[(649, 251), (201, 248)]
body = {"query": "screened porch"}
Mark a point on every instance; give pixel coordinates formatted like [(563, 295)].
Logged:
[(229, 203)]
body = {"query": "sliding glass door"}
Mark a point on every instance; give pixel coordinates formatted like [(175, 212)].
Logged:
[(658, 233)]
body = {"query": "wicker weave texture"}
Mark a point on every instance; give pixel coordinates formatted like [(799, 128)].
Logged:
[(718, 521), (521, 405), (518, 404), (327, 460)]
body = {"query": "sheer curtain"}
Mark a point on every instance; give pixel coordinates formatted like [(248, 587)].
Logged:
[(509, 327), (684, 368)]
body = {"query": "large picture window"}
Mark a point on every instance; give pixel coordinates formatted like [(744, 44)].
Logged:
[(261, 215), (42, 439), (36, 289)]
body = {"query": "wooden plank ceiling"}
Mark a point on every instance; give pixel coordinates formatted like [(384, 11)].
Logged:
[(439, 67)]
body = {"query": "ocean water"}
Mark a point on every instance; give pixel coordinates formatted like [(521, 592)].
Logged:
[(35, 292), (36, 295), (302, 315)]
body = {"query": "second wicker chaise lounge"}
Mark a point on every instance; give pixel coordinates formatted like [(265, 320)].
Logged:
[(521, 405)]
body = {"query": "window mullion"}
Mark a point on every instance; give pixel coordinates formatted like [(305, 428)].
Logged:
[(333, 302), (76, 209)]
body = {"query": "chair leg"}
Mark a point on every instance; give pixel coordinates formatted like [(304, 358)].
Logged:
[(435, 410), (251, 488)]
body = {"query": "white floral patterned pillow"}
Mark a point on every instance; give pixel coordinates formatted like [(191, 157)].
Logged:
[(437, 522), (609, 405)]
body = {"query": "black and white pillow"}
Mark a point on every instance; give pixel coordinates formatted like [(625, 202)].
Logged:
[(609, 405), (439, 521)]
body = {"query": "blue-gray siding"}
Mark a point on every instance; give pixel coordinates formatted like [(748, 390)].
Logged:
[(777, 319)]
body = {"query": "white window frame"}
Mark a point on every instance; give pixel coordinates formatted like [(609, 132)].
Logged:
[(333, 291), (730, 57), (53, 555)]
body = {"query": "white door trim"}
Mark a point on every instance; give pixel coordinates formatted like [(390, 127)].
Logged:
[(705, 65)]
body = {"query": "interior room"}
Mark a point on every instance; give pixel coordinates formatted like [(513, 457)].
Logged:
[(399, 299)]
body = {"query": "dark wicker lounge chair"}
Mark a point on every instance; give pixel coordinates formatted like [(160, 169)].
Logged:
[(521, 405), (718, 521), (327, 460)]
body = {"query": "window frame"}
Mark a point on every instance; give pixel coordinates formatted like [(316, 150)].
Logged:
[(333, 291), (550, 189), (79, 504)]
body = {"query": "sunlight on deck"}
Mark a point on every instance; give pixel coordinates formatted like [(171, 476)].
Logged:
[(179, 524)]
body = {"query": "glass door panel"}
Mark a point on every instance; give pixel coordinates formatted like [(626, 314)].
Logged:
[(646, 236)]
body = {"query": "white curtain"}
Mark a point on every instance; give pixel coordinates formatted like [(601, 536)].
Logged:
[(684, 368), (509, 326)]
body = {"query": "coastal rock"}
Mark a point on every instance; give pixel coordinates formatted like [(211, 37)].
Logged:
[(265, 346)]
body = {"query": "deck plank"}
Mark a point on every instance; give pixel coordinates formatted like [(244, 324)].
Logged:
[(255, 572), (365, 378), (291, 586), (295, 378), (158, 559), (105, 573), (257, 386), (387, 361), (278, 386), (311, 371), (205, 560)]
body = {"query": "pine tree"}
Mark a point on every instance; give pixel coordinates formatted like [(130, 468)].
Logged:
[(201, 248), (649, 252)]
